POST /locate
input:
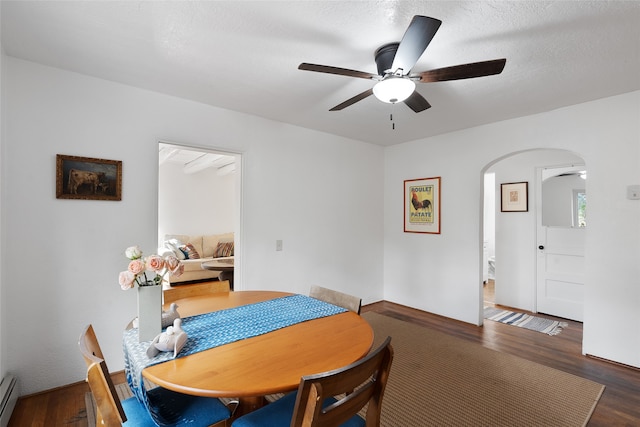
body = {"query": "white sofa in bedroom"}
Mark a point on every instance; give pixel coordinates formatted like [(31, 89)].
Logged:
[(193, 251)]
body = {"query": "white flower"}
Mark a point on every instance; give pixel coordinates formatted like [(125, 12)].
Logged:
[(133, 252), (126, 279)]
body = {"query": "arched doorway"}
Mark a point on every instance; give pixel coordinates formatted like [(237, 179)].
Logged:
[(514, 243)]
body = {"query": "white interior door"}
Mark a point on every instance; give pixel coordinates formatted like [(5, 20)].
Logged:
[(560, 268), (560, 287)]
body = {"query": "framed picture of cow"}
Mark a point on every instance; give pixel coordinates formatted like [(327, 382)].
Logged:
[(87, 178)]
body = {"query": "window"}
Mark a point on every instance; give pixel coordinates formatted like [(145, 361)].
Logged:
[(579, 208)]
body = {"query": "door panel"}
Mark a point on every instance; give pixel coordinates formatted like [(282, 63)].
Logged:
[(560, 272), (564, 263)]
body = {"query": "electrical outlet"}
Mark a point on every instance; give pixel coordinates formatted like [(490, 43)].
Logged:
[(278, 245), (633, 192)]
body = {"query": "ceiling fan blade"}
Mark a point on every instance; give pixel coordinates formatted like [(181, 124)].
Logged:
[(339, 71), (353, 100), (464, 71), (414, 42), (417, 102)]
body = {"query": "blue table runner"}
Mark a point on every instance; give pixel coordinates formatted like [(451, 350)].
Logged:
[(222, 327)]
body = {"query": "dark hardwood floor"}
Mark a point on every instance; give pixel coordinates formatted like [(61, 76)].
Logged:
[(618, 406)]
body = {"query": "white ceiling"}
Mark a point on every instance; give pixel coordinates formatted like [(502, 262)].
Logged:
[(194, 160), (243, 55)]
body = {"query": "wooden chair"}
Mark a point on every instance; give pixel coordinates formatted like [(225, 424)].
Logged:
[(198, 411), (185, 291), (342, 392), (336, 298)]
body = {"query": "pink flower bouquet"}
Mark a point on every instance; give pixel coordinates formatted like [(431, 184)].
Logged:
[(155, 265)]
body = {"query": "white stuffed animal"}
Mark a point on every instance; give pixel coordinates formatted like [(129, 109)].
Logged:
[(169, 316), (173, 339)]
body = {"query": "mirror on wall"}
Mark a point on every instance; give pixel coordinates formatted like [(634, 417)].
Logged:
[(564, 198)]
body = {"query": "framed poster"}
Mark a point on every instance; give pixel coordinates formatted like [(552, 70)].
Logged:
[(87, 178), (422, 205), (514, 197)]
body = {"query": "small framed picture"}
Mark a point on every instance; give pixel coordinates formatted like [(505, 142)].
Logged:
[(87, 178), (514, 197), (422, 205)]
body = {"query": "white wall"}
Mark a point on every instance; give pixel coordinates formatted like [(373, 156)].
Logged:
[(441, 273), (321, 194), (194, 204), (489, 212)]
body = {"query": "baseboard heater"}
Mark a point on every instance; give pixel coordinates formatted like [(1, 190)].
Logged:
[(8, 398)]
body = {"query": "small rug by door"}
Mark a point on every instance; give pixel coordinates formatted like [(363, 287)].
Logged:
[(523, 320)]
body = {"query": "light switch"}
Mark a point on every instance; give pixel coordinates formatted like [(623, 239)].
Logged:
[(633, 192), (278, 245)]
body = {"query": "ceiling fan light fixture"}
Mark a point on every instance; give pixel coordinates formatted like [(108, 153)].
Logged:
[(394, 89)]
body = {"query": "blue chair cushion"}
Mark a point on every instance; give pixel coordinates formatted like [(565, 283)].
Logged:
[(177, 408), (279, 413)]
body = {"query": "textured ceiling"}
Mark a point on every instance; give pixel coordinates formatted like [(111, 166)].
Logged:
[(243, 55)]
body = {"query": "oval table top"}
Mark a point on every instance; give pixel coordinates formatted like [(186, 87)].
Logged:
[(266, 364)]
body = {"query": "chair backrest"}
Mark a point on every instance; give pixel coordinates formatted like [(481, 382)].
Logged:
[(109, 409), (362, 383), (185, 291), (337, 298)]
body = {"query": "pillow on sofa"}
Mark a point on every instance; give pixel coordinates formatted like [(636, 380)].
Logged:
[(183, 239), (189, 251), (223, 249), (164, 251), (174, 245), (210, 242)]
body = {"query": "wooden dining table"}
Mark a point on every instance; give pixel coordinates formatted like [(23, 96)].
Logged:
[(274, 362)]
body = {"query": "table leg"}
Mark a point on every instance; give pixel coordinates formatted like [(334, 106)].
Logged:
[(249, 404), (226, 275)]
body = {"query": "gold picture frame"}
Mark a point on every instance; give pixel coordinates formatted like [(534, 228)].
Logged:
[(514, 197), (87, 178), (422, 205)]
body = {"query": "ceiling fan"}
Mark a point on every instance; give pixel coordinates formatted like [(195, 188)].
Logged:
[(394, 61)]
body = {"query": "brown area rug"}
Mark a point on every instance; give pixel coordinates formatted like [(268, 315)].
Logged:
[(439, 380)]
